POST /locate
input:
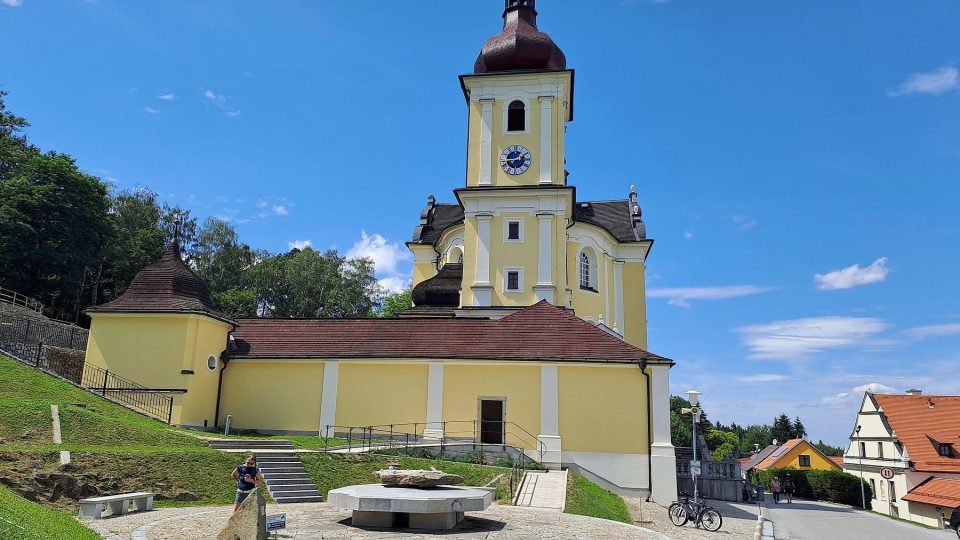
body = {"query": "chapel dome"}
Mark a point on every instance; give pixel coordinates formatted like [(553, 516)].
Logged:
[(520, 46), (167, 285)]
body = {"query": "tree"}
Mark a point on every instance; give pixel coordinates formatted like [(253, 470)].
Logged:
[(723, 444), (754, 437), (829, 450), (799, 431), (137, 240), (394, 303), (681, 424), (219, 257), (782, 429)]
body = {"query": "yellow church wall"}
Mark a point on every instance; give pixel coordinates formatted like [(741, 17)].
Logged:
[(381, 393), (507, 254), (469, 260), (602, 409), (152, 350), (634, 305), (791, 460), (529, 140), (586, 304), (463, 385), (273, 394)]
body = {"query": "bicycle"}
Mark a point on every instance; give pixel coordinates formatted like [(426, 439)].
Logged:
[(681, 511)]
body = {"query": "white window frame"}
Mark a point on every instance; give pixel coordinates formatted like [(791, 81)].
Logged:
[(506, 115), (594, 267), (506, 230), (506, 279), (448, 259)]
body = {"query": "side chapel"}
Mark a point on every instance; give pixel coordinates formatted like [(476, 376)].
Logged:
[(529, 309)]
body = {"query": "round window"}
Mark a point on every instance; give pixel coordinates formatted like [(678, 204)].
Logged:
[(212, 363)]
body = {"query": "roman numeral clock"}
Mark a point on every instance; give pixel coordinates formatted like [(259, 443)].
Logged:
[(515, 159)]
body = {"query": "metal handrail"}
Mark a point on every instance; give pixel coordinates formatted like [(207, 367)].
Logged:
[(16, 299), (149, 401)]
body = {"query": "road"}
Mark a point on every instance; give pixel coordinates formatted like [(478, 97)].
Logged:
[(812, 520)]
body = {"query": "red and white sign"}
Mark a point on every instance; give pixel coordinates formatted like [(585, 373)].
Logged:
[(886, 472)]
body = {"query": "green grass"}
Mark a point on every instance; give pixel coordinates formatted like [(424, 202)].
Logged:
[(331, 471), (588, 499), (20, 518)]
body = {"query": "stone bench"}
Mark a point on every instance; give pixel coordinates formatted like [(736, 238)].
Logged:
[(91, 508)]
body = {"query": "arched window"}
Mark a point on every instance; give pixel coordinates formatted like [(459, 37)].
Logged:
[(455, 255), (516, 116), (588, 271)]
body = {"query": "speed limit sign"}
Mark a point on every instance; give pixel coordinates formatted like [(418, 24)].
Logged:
[(886, 472)]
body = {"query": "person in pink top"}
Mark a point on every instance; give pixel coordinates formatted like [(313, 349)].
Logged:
[(775, 488)]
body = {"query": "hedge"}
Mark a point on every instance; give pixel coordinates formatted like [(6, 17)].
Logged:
[(833, 486)]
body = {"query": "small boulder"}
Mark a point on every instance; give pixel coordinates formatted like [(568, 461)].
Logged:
[(417, 478), (186, 496)]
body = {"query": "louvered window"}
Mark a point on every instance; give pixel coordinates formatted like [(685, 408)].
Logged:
[(516, 116)]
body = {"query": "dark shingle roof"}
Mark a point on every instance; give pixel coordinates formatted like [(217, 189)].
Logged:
[(612, 216), (167, 285), (442, 290), (435, 219), (541, 332)]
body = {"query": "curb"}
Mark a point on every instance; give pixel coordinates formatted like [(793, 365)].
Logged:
[(764, 529)]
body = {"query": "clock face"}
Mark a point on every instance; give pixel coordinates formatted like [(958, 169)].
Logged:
[(515, 159)]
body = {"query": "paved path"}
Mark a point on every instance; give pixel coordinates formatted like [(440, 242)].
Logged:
[(813, 520), (546, 490), (320, 520)]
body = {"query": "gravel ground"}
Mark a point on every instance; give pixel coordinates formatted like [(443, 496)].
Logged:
[(739, 520)]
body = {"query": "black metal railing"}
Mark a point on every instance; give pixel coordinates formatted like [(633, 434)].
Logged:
[(156, 403), (482, 436), (19, 332)]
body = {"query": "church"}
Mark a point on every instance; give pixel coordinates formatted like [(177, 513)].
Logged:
[(529, 314)]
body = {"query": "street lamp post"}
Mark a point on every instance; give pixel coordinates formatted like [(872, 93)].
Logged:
[(694, 398), (863, 497)]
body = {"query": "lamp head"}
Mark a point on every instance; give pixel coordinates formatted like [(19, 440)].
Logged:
[(693, 397), (857, 430)]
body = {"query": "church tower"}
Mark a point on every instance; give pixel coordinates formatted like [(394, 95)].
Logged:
[(517, 234)]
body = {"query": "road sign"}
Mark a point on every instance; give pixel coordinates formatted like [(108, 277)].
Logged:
[(695, 467), (276, 522), (886, 472)]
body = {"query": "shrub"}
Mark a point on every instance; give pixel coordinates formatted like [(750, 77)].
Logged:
[(833, 486)]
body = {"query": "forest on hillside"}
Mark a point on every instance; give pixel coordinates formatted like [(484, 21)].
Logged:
[(736, 441), (71, 241)]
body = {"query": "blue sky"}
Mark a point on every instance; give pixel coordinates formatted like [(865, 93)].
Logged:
[(798, 163)]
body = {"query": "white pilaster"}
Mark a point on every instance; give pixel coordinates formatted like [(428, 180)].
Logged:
[(544, 287), (434, 429), (482, 290), (549, 415), (663, 485), (618, 296), (546, 139), (486, 137), (328, 399)]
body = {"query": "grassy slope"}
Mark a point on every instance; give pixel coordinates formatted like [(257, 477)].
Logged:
[(588, 499), (20, 518)]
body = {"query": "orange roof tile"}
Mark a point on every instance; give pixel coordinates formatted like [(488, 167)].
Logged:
[(837, 459), (774, 457), (938, 491), (918, 421)]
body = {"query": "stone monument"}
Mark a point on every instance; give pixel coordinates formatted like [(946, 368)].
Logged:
[(249, 522)]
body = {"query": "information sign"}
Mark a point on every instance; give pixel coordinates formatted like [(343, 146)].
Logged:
[(276, 522)]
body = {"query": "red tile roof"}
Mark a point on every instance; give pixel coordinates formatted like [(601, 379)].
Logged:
[(917, 419), (165, 286), (937, 491), (539, 332), (837, 459), (775, 456)]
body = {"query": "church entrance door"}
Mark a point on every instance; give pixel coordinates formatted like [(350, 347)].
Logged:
[(492, 413)]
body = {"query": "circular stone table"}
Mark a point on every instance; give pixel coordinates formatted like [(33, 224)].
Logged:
[(441, 507)]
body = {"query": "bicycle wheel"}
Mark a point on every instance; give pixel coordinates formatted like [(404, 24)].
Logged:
[(710, 519), (678, 514)]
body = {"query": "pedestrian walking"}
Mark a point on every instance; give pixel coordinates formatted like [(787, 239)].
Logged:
[(788, 488), (775, 488), (247, 477)]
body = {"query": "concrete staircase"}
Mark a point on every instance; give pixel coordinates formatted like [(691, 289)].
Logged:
[(283, 473)]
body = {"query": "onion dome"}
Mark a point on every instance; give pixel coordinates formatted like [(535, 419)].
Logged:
[(165, 286), (442, 290), (520, 46)]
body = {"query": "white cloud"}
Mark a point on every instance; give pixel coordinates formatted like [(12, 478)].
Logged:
[(167, 97), (280, 210), (384, 254), (688, 235), (854, 395), (394, 284), (934, 330), (800, 338), (763, 378), (853, 276), (681, 296), (744, 223), (299, 244), (938, 81), (875, 388), (12, 3), (150, 110), (220, 101)]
